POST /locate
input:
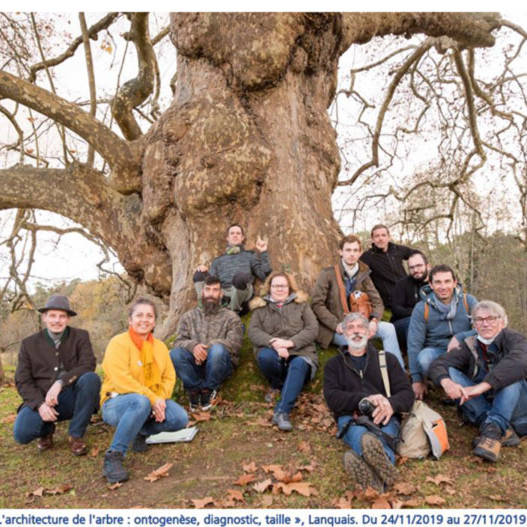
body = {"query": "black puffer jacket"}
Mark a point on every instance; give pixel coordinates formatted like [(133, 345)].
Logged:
[(344, 387), (507, 365)]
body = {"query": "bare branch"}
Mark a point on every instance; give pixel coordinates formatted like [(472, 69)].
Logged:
[(104, 23)]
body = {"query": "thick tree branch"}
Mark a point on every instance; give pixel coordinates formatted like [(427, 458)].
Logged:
[(113, 149), (134, 92)]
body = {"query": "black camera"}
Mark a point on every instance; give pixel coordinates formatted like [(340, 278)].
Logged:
[(366, 407)]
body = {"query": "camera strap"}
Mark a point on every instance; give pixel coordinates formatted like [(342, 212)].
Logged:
[(365, 421)]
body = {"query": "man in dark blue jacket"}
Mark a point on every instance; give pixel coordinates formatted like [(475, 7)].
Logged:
[(486, 375)]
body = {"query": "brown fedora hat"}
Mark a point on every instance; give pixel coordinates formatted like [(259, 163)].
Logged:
[(59, 302)]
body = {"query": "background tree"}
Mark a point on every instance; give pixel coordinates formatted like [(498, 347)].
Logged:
[(246, 137)]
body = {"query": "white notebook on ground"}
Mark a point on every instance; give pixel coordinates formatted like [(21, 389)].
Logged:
[(184, 435)]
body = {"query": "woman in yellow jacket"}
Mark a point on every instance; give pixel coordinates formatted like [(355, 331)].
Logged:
[(138, 382)]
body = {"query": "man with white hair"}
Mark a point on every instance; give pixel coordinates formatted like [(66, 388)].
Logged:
[(486, 375), (367, 416)]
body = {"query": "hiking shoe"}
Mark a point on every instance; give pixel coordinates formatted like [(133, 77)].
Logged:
[(208, 398), (489, 442), (113, 469), (361, 472), (194, 400), (510, 438), (281, 420), (140, 444), (45, 442), (77, 446), (374, 454)]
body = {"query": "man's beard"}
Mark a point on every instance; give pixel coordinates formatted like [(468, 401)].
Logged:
[(357, 344), (211, 305)]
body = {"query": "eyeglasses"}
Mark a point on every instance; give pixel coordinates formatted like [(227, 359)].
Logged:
[(482, 320)]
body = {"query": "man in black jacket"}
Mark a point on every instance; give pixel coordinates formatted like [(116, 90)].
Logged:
[(56, 380), (385, 259), (405, 294), (486, 375), (353, 382)]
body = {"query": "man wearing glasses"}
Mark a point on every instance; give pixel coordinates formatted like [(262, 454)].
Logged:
[(486, 376), (405, 294)]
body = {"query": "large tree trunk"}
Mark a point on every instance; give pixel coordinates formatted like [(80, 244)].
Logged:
[(248, 140)]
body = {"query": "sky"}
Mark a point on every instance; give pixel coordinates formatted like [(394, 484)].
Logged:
[(74, 257)]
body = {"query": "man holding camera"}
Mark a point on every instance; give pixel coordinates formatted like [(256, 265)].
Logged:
[(367, 416)]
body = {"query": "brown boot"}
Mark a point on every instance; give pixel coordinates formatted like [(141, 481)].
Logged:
[(77, 446), (489, 443), (45, 443)]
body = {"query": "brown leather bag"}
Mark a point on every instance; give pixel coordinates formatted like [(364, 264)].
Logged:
[(359, 302)]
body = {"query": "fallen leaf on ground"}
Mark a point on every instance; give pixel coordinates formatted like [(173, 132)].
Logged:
[(402, 460), (266, 501), (262, 486), (61, 489), (305, 447), (396, 504), (37, 492), (440, 478), (250, 467), (381, 503), (435, 500), (404, 488), (115, 486), (200, 504), (94, 452), (308, 468), (303, 488), (497, 497), (342, 503), (236, 495), (370, 494), (158, 473), (244, 479), (201, 416), (414, 502)]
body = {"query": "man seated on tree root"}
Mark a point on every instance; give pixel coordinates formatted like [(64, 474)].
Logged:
[(366, 415), (486, 376), (56, 380), (237, 269), (337, 286), (437, 324), (209, 339)]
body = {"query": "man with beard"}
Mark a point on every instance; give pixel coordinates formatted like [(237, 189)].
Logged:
[(209, 338), (405, 294), (237, 269), (367, 416)]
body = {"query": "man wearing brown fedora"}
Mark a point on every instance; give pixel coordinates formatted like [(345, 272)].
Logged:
[(56, 380)]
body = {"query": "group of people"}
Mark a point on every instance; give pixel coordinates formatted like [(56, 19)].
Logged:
[(457, 343)]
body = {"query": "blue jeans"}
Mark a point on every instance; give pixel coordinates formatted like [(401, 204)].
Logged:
[(401, 329), (76, 402), (130, 413), (504, 407), (425, 358), (386, 332), (354, 434), (210, 374), (288, 375)]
